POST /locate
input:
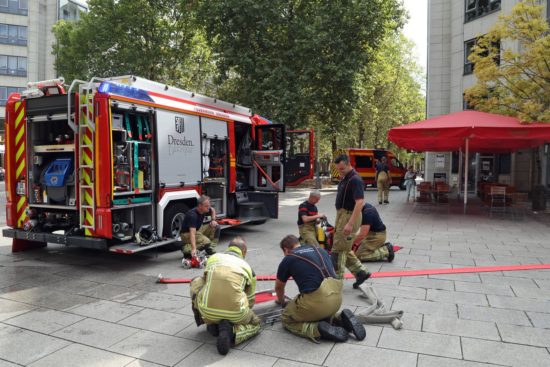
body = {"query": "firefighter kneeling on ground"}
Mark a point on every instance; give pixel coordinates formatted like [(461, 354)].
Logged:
[(370, 243), (224, 296), (197, 235), (307, 218), (311, 314)]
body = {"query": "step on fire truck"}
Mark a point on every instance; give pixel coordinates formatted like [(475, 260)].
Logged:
[(92, 165)]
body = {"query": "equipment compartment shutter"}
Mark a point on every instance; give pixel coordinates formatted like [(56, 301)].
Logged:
[(214, 129)]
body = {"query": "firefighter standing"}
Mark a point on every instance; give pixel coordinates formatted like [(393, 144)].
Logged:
[(349, 202), (370, 243), (383, 181), (224, 296), (197, 235), (307, 217), (320, 294)]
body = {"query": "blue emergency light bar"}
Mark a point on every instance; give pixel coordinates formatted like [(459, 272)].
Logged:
[(124, 91)]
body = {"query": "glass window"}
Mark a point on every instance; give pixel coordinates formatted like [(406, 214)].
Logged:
[(23, 33), (3, 93), (468, 65), (23, 4), (363, 161), (3, 31), (4, 3), (12, 63), (13, 31), (504, 163), (22, 64), (474, 9), (3, 64)]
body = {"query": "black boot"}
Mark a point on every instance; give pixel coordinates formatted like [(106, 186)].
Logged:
[(360, 277), (391, 251), (352, 325), (225, 337), (209, 250), (213, 329), (332, 333)]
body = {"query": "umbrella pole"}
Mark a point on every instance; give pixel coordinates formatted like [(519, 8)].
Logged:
[(460, 174), (466, 159)]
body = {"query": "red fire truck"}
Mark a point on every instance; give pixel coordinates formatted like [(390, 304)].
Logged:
[(93, 164)]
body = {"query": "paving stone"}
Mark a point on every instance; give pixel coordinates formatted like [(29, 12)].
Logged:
[(24, 347), (140, 363), (286, 363), (9, 309), (286, 345), (388, 290), (47, 297), (432, 361), (501, 290), (504, 353), (545, 284), (425, 307), (207, 355), (499, 279), (158, 321), (95, 333), (162, 302), (44, 321), (515, 303), (112, 293), (539, 319), (535, 293), (8, 364), (106, 310), (421, 342), (82, 356), (470, 278), (423, 282), (460, 327), (466, 298), (73, 285), (491, 314), (525, 335), (357, 356), (192, 332), (156, 348)]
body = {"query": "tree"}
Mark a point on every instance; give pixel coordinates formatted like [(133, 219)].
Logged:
[(390, 93), (514, 80), (155, 39), (297, 61)]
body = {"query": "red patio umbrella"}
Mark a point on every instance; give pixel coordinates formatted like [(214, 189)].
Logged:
[(470, 131)]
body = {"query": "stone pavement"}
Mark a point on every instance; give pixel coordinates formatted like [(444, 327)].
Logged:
[(75, 307)]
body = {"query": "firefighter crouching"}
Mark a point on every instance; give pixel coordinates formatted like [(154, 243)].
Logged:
[(311, 314), (370, 243), (224, 296), (307, 217), (197, 235)]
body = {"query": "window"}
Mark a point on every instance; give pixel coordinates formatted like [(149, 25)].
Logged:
[(20, 7), (468, 46), (474, 9), (3, 32), (5, 93), (363, 161), (13, 34), (13, 65), (504, 163), (395, 163)]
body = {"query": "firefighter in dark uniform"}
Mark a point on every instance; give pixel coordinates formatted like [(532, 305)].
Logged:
[(370, 243), (349, 202), (307, 217), (196, 234), (311, 313)]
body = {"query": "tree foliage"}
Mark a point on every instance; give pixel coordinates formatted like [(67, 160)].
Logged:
[(520, 85), (297, 61), (155, 39)]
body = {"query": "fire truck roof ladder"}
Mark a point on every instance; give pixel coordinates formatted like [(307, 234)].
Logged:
[(160, 88), (86, 154)]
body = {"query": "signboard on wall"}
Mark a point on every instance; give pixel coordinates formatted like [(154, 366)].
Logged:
[(440, 161)]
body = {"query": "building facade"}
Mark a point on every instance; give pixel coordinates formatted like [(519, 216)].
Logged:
[(453, 26), (26, 41)]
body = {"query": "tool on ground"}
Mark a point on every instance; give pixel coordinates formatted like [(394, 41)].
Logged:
[(196, 262)]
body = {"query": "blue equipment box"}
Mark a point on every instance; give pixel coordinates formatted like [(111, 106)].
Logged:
[(57, 172)]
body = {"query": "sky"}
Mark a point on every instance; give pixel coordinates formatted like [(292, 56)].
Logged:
[(417, 28)]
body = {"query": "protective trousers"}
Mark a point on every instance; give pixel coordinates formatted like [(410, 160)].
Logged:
[(342, 245), (204, 237), (308, 234), (373, 248), (302, 314), (383, 185), (246, 327)]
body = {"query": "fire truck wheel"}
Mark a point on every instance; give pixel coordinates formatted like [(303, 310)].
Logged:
[(173, 219)]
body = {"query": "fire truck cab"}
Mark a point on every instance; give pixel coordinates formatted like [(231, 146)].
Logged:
[(93, 165)]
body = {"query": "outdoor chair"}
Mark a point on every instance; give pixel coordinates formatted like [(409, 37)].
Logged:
[(441, 194), (497, 199), (424, 198)]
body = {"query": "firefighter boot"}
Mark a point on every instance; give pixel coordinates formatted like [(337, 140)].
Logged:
[(225, 337), (391, 252), (331, 332), (360, 277), (213, 329), (352, 325)]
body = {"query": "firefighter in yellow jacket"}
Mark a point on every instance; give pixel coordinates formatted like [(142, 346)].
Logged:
[(224, 296)]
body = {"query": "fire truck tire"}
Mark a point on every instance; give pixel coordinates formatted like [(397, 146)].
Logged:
[(173, 219)]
